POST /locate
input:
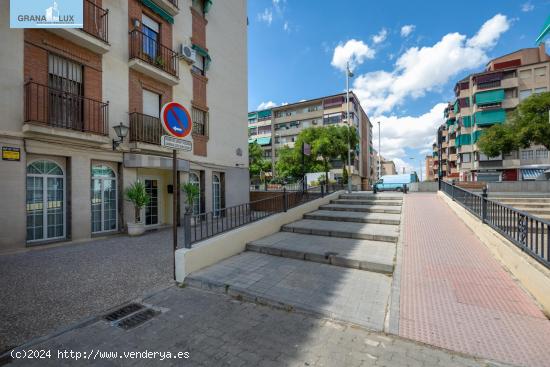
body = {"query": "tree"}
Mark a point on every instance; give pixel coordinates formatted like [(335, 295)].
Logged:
[(527, 125), (327, 143), (256, 160)]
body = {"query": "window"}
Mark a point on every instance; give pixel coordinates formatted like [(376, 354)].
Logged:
[(540, 90), (151, 103), (333, 118), (466, 157), (66, 89), (525, 74), (199, 65), (527, 154), (541, 153), (151, 30), (524, 94), (103, 199), (540, 72), (200, 121), (314, 108), (45, 201), (216, 195)]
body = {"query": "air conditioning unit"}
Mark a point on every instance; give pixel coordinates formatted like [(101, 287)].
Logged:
[(188, 54)]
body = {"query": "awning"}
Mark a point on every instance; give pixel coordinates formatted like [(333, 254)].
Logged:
[(207, 6), (531, 173), (264, 141), (544, 31), (251, 140), (201, 51), (158, 10)]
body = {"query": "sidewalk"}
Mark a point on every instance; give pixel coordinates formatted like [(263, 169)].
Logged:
[(217, 330), (455, 295)]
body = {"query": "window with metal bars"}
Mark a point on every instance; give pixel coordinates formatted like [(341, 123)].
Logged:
[(66, 90), (200, 121)]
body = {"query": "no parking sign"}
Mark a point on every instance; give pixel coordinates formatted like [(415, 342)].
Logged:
[(177, 122)]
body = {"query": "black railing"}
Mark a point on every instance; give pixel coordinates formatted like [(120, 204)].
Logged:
[(528, 232), (198, 227), (57, 108), (145, 128), (96, 21), (152, 52)]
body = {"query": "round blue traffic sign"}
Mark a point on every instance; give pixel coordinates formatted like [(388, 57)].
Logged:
[(176, 120)]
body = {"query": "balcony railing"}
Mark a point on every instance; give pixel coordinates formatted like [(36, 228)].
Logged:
[(56, 108), (147, 49), (96, 21), (145, 128)]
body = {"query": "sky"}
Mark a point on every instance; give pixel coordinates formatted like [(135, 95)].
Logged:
[(406, 57)]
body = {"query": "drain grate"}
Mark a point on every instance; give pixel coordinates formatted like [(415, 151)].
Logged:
[(137, 319), (123, 312)]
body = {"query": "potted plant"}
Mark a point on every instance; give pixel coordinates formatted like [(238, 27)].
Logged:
[(191, 191), (137, 195)]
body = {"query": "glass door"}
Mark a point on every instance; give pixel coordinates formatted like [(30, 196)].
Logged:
[(152, 209), (216, 195), (45, 201), (104, 199)]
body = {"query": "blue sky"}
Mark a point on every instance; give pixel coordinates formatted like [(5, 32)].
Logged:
[(407, 56)]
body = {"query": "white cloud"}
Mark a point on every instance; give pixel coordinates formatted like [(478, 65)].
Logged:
[(490, 31), (406, 30), (400, 164), (412, 132), (266, 105), (527, 7), (380, 37), (266, 16), (286, 27), (354, 51), (421, 70)]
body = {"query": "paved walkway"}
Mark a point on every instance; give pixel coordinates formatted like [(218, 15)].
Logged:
[(219, 331), (455, 295), (45, 289)]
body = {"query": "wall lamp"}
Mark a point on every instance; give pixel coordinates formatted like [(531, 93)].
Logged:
[(121, 131)]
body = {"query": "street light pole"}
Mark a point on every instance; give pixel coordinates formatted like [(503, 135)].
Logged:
[(348, 75), (379, 154)]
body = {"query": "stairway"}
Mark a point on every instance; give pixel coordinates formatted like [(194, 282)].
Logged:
[(537, 206), (336, 262)]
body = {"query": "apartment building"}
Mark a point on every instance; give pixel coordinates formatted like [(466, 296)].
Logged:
[(429, 168), (482, 100), (277, 127), (65, 92)]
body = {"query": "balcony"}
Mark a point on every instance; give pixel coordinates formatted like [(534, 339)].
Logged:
[(95, 34), (169, 6), (47, 108), (145, 129), (452, 157), (151, 58), (509, 103)]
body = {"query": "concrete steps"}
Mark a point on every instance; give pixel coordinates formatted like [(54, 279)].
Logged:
[(391, 209), (366, 202), (380, 196), (365, 231), (345, 252), (358, 217), (345, 294)]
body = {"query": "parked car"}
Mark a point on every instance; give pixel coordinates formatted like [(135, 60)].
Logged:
[(394, 182)]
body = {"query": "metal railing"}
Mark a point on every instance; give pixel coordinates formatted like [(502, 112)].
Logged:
[(61, 109), (145, 128), (96, 21), (152, 52), (528, 232), (198, 227)]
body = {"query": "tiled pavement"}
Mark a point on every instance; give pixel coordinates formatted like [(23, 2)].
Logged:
[(219, 331), (455, 295)]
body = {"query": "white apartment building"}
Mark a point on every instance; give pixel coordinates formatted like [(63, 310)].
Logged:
[(63, 91)]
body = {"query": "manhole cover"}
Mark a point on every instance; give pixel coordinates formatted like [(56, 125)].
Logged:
[(123, 312), (137, 319)]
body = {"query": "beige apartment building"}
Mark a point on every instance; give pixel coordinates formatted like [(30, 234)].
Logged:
[(277, 127), (482, 100), (64, 90), (429, 168)]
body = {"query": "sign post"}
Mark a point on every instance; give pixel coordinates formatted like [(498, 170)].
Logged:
[(177, 122)]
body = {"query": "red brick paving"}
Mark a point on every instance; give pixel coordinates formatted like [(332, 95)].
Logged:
[(455, 295)]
